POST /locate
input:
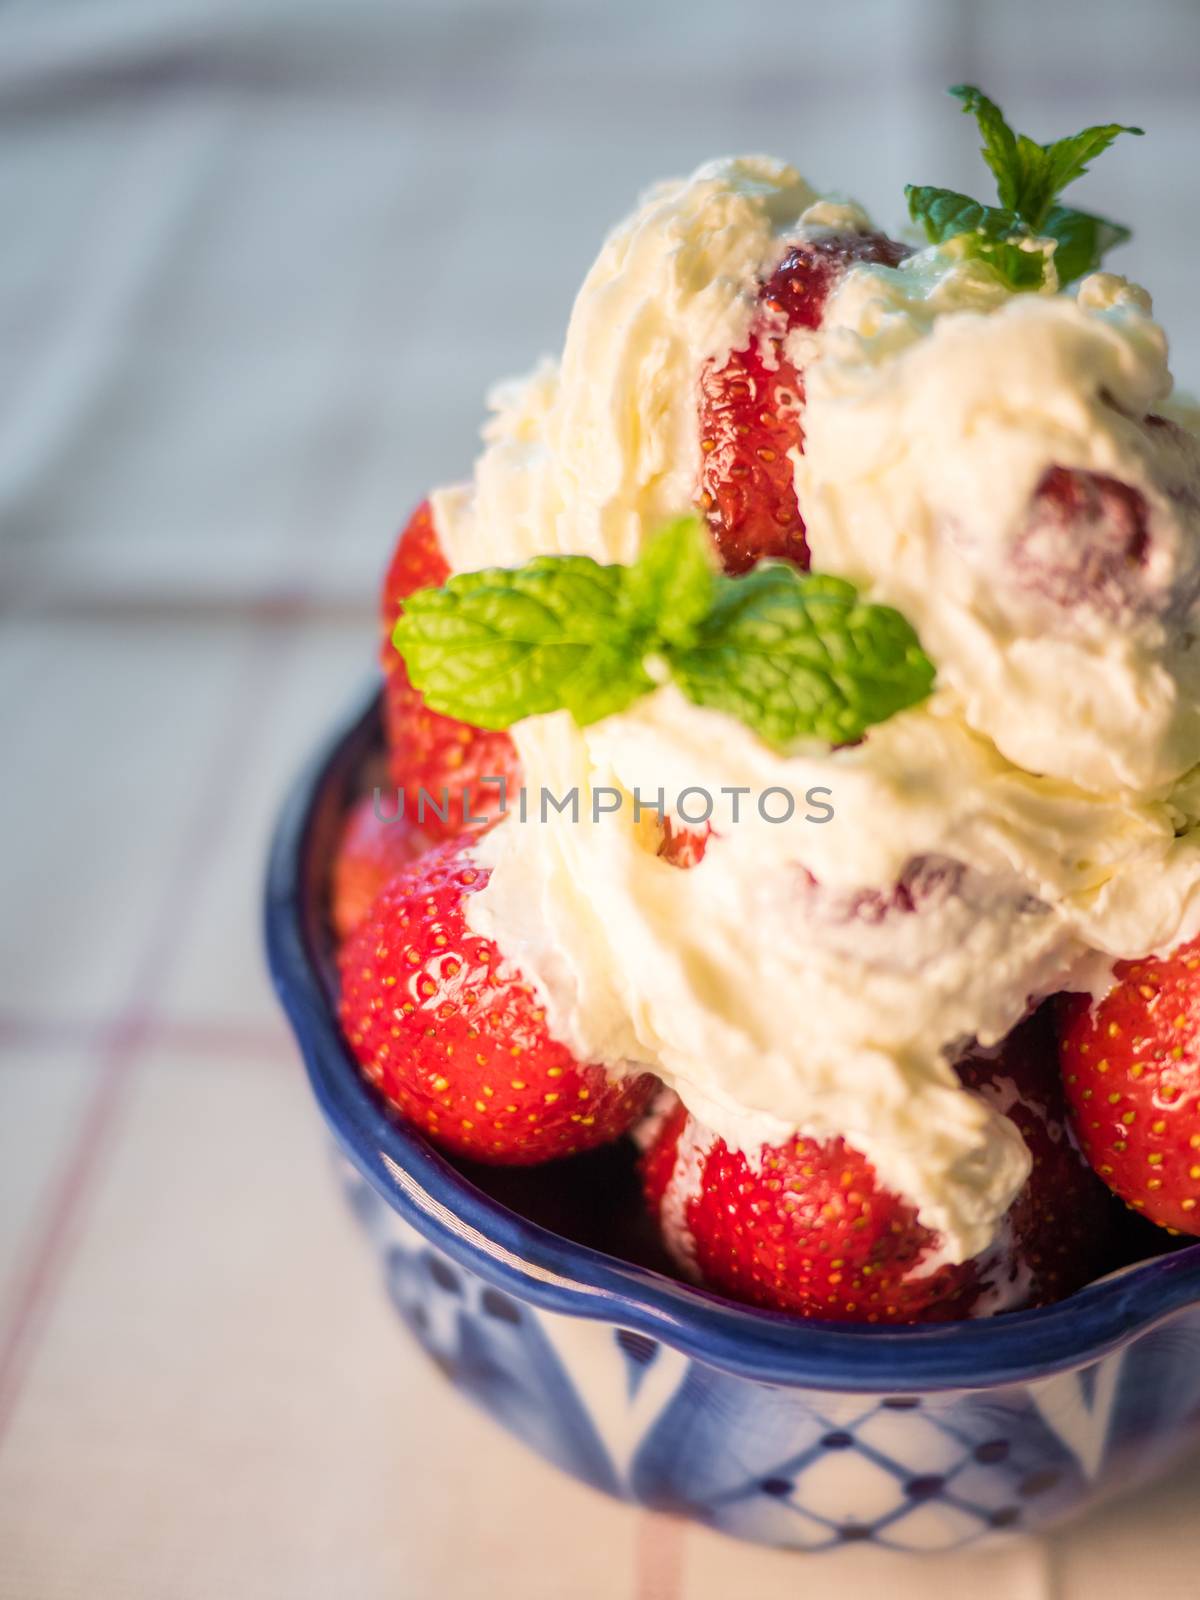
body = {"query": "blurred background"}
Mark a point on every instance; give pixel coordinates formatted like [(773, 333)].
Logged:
[(259, 262)]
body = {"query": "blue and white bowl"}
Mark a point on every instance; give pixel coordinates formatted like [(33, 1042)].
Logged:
[(791, 1433)]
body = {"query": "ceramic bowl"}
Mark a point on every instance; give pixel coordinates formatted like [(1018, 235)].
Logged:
[(557, 1319)]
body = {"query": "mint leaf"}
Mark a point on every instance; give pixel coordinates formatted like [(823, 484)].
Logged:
[(1029, 178), (1020, 269), (791, 654), (944, 213), (1045, 170), (670, 586), (1000, 149), (1019, 164), (1067, 159), (798, 655), (493, 647), (1033, 185), (1029, 175), (988, 233), (1082, 240)]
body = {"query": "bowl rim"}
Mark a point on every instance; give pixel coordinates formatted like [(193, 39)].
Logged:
[(556, 1274)]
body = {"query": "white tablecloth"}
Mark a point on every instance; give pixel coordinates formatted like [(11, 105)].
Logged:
[(259, 261)]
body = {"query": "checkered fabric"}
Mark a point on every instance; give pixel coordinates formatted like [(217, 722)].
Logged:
[(259, 261)]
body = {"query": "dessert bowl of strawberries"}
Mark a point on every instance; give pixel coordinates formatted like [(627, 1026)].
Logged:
[(748, 952)]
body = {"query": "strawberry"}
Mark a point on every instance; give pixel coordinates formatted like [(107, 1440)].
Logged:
[(1131, 1071), (370, 851), (456, 1041), (750, 408), (682, 846), (1060, 1224), (1084, 541), (811, 1230), (417, 563), (427, 751)]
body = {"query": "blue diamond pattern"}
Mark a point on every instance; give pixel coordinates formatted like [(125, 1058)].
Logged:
[(790, 1467)]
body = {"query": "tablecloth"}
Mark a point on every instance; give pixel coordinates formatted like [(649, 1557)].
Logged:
[(259, 262)]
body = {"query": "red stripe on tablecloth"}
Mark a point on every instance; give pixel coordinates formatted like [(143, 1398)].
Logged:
[(122, 1046), (43, 1269), (658, 1557), (243, 1040)]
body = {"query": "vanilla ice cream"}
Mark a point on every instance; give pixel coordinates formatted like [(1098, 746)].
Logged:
[(1033, 820)]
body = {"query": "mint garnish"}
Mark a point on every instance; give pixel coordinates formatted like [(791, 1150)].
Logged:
[(799, 655), (1029, 178), (493, 647), (793, 655), (989, 233)]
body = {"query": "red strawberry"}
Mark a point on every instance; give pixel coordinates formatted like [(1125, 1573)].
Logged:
[(1085, 540), (456, 1041), (1061, 1221), (812, 1231), (750, 408), (427, 751), (369, 852), (683, 846), (417, 563), (1131, 1070)]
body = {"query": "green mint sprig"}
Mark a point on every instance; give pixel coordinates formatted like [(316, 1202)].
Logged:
[(1029, 178), (794, 655)]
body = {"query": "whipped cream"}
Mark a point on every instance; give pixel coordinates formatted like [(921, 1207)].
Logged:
[(932, 416), (1034, 820), (586, 458)]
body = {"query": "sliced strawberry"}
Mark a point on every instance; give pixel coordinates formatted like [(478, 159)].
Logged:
[(440, 1023), (751, 408), (372, 849), (810, 1229), (1131, 1070), (429, 755)]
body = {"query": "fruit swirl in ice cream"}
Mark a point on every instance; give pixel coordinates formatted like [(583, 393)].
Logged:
[(1033, 820)]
